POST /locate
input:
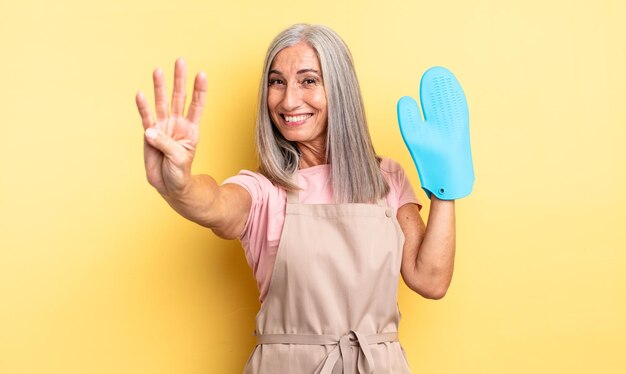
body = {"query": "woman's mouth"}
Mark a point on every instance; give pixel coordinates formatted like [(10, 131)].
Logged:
[(296, 119)]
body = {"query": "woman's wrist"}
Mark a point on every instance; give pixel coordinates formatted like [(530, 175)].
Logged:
[(193, 199), (434, 200)]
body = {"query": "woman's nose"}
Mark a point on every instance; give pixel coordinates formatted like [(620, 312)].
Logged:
[(293, 97)]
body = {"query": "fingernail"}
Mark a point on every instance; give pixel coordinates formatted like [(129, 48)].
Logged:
[(151, 133)]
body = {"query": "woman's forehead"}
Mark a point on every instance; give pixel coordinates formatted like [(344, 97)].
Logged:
[(298, 57)]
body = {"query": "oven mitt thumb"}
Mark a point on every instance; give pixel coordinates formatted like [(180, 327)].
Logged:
[(439, 144)]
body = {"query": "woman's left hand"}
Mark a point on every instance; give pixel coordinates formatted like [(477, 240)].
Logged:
[(439, 145)]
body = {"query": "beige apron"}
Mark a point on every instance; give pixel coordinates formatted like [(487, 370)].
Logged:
[(332, 303)]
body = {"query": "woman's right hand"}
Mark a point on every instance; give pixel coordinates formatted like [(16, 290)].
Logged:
[(170, 140)]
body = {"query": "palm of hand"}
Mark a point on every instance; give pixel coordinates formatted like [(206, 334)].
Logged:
[(169, 171), (171, 139)]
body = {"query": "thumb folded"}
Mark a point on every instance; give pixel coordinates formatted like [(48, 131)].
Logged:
[(160, 141), (152, 133)]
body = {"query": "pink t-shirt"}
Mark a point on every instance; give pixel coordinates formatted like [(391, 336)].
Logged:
[(261, 235)]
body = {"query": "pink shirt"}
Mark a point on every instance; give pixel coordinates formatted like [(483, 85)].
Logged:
[(261, 235)]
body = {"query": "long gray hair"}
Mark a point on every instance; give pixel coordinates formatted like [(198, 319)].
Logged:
[(354, 167)]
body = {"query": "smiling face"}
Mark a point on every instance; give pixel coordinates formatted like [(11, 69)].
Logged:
[(296, 97)]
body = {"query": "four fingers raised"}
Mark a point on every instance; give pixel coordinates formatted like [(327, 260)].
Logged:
[(178, 96)]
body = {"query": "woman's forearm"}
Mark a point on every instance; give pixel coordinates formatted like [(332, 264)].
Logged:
[(428, 257), (196, 201), (435, 257), (224, 209)]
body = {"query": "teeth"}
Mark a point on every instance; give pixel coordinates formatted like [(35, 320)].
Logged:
[(297, 118)]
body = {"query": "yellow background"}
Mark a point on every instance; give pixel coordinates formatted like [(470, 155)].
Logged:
[(99, 275)]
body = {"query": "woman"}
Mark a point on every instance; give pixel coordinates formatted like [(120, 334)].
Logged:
[(327, 225)]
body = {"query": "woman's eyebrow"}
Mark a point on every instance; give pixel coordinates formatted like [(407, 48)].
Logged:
[(302, 71), (308, 71)]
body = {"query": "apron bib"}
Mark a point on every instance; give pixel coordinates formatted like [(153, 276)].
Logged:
[(332, 305)]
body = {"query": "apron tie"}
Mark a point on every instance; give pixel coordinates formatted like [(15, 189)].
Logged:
[(339, 359)]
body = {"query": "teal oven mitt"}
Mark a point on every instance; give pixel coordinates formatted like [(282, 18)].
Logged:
[(439, 144)]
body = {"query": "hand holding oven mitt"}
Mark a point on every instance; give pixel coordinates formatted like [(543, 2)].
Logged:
[(440, 143)]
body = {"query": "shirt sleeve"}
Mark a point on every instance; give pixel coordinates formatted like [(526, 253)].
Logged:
[(401, 191), (265, 220), (256, 223)]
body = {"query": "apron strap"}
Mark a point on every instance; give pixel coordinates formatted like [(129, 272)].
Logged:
[(338, 358), (293, 197)]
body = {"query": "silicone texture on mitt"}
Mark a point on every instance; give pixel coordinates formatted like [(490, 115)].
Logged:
[(439, 144)]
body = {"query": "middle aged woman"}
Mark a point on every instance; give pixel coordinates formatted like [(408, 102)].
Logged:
[(327, 226)]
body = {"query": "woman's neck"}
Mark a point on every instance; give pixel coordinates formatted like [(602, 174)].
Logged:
[(311, 156)]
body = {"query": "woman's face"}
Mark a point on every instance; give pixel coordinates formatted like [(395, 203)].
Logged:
[(296, 96)]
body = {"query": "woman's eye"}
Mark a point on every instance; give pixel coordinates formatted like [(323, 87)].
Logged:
[(275, 81), (309, 82)]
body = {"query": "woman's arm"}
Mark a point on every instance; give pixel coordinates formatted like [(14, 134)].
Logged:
[(428, 255), (223, 209), (169, 148), (440, 148)]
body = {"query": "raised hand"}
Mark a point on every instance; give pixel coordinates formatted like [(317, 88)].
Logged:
[(440, 144), (170, 139)]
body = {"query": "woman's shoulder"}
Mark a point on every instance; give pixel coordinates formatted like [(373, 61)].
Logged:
[(246, 174), (400, 190), (250, 177), (390, 166), (257, 184)]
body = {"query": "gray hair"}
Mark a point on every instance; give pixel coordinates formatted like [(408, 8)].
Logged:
[(354, 167)]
